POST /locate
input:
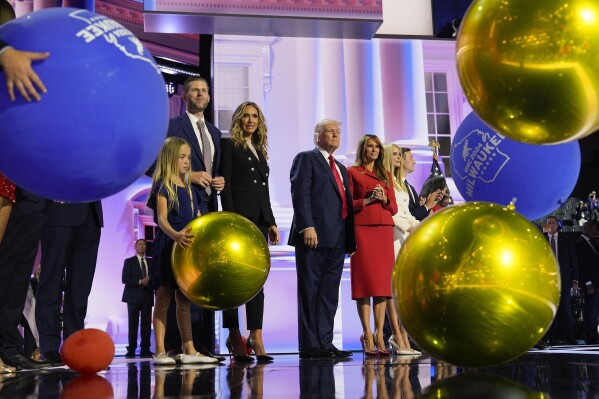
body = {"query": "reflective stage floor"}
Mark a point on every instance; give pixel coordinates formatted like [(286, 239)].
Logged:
[(558, 372)]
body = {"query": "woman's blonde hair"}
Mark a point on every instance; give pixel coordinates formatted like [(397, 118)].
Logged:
[(167, 171), (380, 169), (259, 138), (395, 170)]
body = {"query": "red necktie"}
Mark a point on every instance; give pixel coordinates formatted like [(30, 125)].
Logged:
[(339, 185)]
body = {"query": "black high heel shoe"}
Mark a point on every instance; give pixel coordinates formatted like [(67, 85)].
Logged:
[(238, 358), (250, 349)]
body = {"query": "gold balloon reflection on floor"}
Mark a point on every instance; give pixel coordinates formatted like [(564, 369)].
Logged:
[(476, 284), (529, 67), (227, 263)]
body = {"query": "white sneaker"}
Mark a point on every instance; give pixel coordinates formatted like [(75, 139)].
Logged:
[(163, 359), (198, 358)]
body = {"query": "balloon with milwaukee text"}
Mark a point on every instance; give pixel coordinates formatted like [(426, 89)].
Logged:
[(487, 166)]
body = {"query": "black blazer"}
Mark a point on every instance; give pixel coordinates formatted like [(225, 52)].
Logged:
[(566, 257), (181, 127), (246, 189), (588, 261), (418, 211), (72, 214), (317, 201), (134, 293)]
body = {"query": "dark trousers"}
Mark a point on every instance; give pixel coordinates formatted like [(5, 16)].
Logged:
[(17, 256), (135, 311), (318, 278), (254, 308), (591, 317), (76, 249), (563, 325)]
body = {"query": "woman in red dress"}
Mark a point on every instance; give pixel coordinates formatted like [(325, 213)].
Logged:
[(7, 198), (372, 263)]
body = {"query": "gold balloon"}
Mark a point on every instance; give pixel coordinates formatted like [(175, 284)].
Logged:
[(226, 264), (479, 385), (529, 68), (476, 284)]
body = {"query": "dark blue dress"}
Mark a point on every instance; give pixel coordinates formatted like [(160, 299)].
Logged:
[(178, 217)]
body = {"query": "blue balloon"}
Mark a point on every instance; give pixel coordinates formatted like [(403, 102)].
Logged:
[(487, 166), (105, 115)]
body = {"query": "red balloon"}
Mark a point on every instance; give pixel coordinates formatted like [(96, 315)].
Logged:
[(88, 351), (87, 386)]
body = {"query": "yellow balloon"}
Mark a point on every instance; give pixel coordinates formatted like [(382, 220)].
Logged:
[(227, 263), (476, 284), (529, 68), (479, 385)]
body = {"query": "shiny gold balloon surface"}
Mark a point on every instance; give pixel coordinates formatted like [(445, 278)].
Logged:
[(226, 264), (476, 284), (479, 385), (530, 68)]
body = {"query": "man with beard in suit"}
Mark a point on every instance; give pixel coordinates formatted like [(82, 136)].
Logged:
[(204, 140)]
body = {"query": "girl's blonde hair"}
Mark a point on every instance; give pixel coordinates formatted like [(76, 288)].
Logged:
[(259, 138), (167, 171), (395, 170), (380, 170)]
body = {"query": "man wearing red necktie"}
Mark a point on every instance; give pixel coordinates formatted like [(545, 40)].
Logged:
[(322, 233)]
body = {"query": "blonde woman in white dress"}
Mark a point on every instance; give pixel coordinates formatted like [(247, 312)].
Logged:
[(405, 223)]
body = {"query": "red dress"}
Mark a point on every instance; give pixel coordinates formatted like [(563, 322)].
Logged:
[(7, 188), (371, 265)]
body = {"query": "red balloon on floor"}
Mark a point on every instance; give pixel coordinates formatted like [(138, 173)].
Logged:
[(88, 351)]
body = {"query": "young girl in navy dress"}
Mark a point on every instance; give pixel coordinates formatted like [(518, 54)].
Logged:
[(174, 207)]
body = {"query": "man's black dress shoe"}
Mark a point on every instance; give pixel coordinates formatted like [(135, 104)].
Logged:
[(315, 353), (145, 354), (20, 362), (339, 353), (130, 355), (52, 359), (206, 352)]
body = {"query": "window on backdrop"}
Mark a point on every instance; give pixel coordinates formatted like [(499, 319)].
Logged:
[(437, 109), (231, 83)]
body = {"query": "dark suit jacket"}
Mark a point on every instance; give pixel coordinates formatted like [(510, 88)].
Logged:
[(317, 201), (418, 211), (566, 257), (246, 188), (362, 183), (588, 261), (180, 126), (71, 214), (134, 293), (3, 44)]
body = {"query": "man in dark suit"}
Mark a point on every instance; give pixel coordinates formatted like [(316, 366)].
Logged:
[(418, 210), (322, 232), (588, 260), (17, 256), (562, 328), (204, 139), (139, 297), (70, 240)]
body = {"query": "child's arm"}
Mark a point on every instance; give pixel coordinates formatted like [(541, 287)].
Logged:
[(183, 237)]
